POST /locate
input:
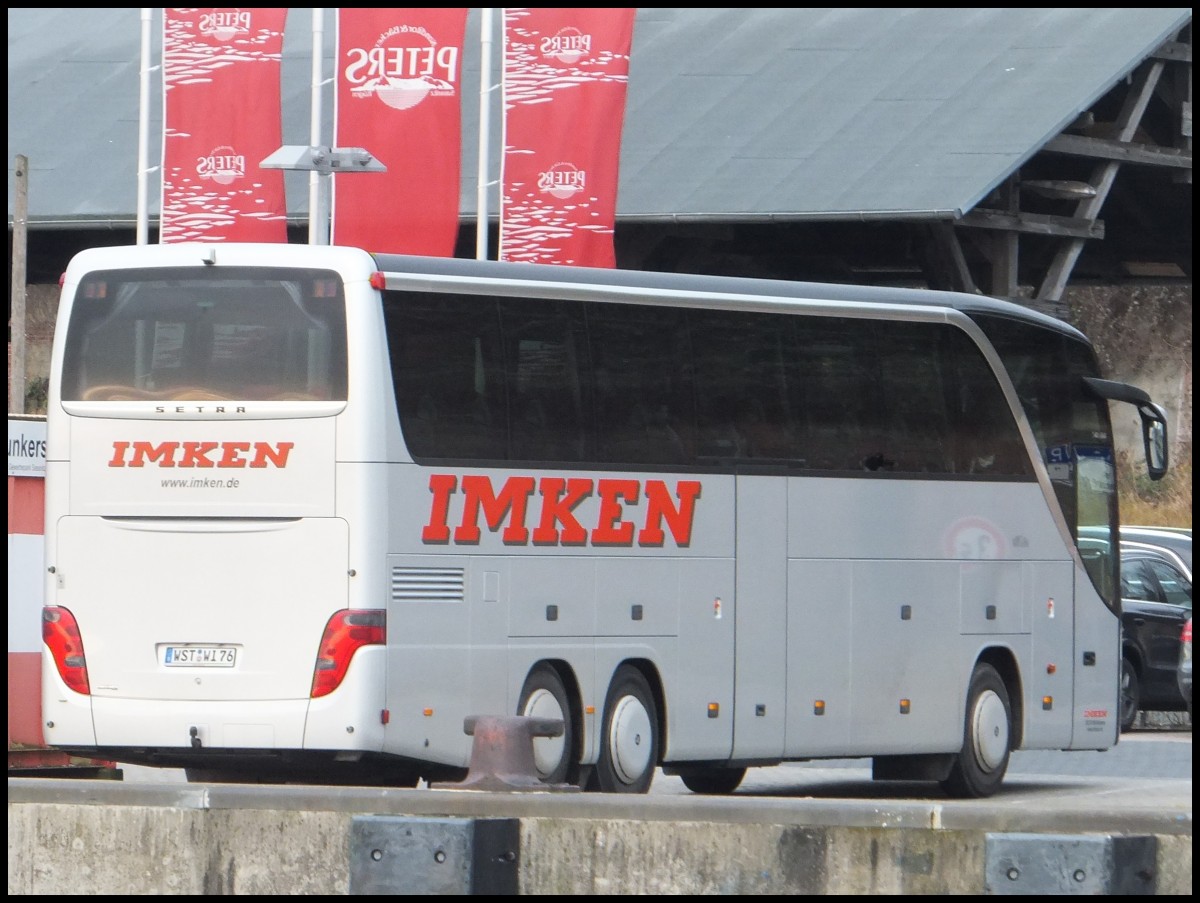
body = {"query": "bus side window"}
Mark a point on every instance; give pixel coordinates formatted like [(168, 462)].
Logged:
[(834, 393), (444, 355), (641, 385), (546, 399), (915, 434), (986, 437), (741, 386), (718, 433)]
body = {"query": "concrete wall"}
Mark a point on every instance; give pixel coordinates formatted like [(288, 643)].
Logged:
[(78, 837)]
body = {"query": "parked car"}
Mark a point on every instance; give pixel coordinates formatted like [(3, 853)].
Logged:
[(1156, 601), (1185, 665), (1177, 539)]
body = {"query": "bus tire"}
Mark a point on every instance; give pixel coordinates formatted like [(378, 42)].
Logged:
[(629, 741), (1131, 694), (980, 765), (544, 696), (713, 781)]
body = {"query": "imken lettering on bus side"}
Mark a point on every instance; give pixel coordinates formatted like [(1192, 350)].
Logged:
[(507, 511)]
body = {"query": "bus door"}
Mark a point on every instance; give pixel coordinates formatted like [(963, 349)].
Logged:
[(760, 672)]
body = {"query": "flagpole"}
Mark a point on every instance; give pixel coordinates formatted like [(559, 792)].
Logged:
[(143, 216), (316, 234), (481, 187)]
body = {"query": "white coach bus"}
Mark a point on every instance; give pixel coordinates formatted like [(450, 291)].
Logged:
[(308, 509)]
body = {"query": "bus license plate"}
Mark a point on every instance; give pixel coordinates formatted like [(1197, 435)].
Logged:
[(200, 656)]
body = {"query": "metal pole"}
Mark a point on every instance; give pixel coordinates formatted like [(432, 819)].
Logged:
[(16, 323), (485, 88), (143, 216), (315, 230)]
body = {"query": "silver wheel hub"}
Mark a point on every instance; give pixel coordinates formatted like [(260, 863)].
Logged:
[(630, 739), (989, 731), (547, 751)]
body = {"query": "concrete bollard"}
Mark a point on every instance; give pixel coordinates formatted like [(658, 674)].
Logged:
[(502, 754)]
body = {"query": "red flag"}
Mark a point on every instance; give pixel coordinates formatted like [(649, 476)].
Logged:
[(565, 74), (221, 116), (399, 96)]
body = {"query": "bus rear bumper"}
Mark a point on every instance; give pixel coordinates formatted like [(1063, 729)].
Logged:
[(350, 719)]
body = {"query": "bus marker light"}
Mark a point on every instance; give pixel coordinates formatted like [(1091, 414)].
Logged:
[(1051, 668), (714, 710), (905, 706), (384, 716), (1047, 703), (428, 713), (819, 707), (589, 710)]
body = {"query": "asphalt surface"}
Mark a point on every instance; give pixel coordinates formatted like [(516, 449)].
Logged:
[(1142, 786), (1162, 752)]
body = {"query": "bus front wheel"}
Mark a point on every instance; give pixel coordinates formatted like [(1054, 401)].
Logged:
[(544, 696), (980, 765), (1131, 694), (629, 740)]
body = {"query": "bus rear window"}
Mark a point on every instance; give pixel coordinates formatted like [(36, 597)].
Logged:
[(219, 333)]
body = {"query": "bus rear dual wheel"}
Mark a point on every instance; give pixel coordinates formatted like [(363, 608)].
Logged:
[(545, 696), (629, 739)]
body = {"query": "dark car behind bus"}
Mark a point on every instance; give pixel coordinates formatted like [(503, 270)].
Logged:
[(1156, 602)]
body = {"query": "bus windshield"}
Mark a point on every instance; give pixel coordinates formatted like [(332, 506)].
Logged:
[(1073, 433), (207, 334)]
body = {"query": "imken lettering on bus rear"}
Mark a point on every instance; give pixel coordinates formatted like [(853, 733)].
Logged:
[(506, 510), (196, 454)]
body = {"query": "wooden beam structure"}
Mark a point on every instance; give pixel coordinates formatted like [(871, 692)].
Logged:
[(1018, 209)]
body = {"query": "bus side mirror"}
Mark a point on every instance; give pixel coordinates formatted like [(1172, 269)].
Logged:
[(1154, 420), (1154, 438)]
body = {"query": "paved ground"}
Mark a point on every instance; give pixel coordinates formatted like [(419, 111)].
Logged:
[(1159, 750)]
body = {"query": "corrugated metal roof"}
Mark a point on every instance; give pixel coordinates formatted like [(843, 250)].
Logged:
[(741, 114)]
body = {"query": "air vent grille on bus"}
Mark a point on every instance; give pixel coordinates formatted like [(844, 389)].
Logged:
[(427, 584)]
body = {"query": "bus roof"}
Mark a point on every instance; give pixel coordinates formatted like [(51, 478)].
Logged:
[(688, 282), (453, 268)]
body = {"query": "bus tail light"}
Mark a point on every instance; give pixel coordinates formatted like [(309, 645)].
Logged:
[(344, 634), (60, 633)]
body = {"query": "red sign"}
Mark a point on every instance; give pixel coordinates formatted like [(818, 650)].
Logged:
[(565, 74), (221, 116), (399, 96)]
